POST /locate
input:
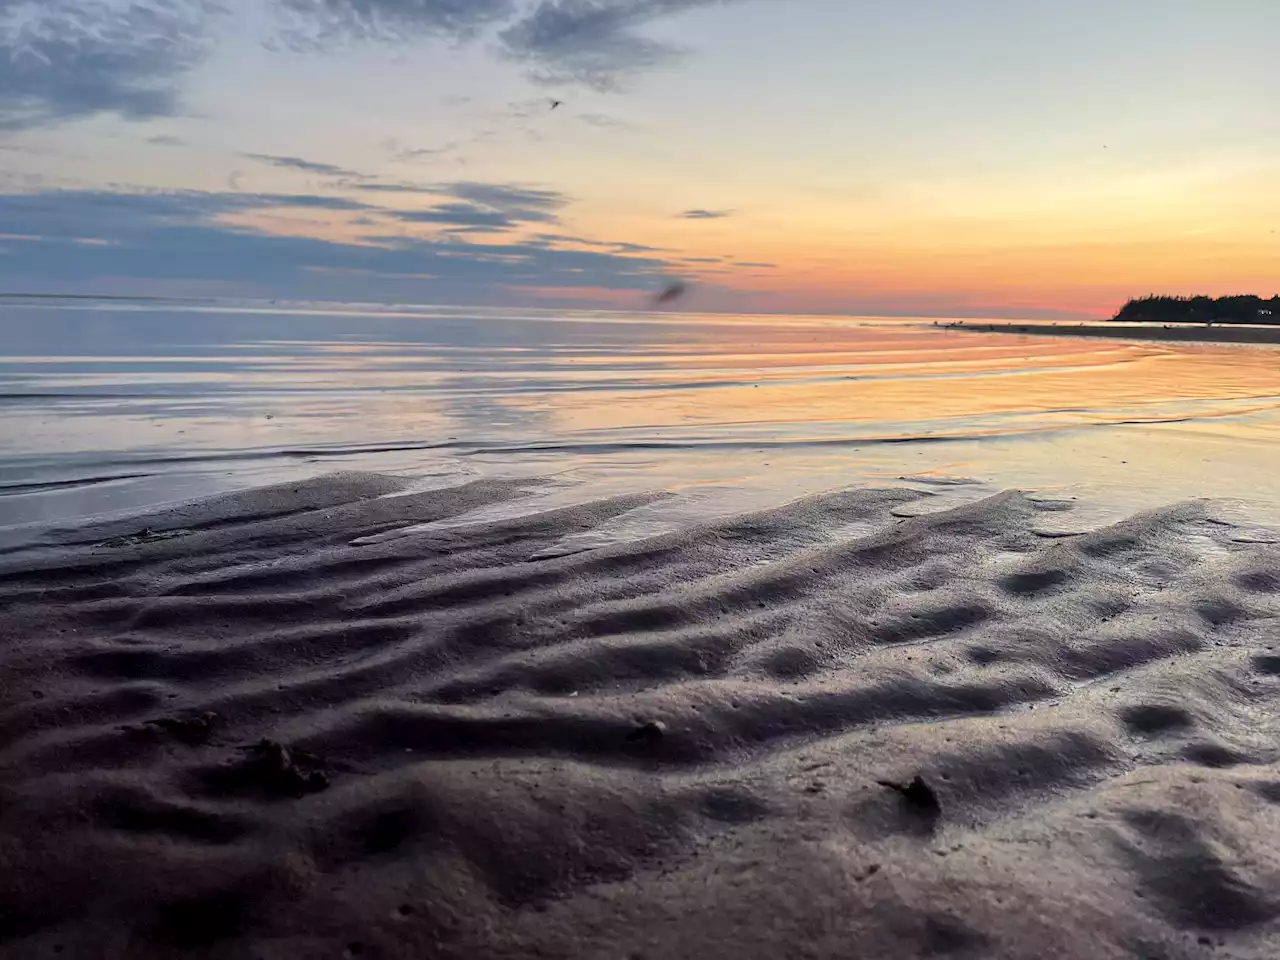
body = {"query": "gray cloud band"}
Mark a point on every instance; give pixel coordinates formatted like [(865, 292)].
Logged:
[(63, 60)]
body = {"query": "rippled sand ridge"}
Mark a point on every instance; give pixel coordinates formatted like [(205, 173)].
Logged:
[(338, 716)]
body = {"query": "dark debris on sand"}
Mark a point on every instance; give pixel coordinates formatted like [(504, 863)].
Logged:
[(651, 731), (288, 771), (917, 795), (271, 769), (193, 731)]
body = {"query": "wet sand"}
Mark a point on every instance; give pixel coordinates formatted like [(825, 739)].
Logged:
[(175, 401), (305, 721), (1129, 331)]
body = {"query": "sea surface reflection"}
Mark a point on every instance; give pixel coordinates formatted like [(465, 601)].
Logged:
[(112, 405)]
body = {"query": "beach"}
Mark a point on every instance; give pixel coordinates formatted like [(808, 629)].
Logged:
[(329, 719), (368, 635), (639, 480), (1169, 333)]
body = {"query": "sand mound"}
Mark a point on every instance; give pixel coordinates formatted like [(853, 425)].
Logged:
[(269, 726)]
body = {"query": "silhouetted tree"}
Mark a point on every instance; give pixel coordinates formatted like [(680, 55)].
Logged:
[(1242, 308)]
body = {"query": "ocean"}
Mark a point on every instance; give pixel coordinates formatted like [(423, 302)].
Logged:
[(113, 406)]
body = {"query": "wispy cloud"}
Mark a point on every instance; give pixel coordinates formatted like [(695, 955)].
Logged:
[(613, 246), (311, 201), (68, 59), (481, 206), (705, 214), (64, 60), (509, 198), (462, 215), (298, 163), (388, 187), (488, 206), (123, 214), (404, 154), (518, 118), (183, 236), (593, 42), (164, 140), (603, 121), (312, 24), (461, 204)]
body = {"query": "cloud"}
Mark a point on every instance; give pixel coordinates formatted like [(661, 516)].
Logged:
[(153, 239), (603, 121), (164, 140), (489, 206), (313, 201), (462, 205), (411, 154), (316, 24), (298, 163), (101, 212), (389, 187), (593, 42), (125, 217), (612, 246), (403, 153), (509, 198), (634, 248), (516, 119), (64, 60), (705, 214), (459, 215)]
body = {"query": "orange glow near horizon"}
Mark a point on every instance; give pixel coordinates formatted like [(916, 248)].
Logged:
[(1065, 242), (963, 248)]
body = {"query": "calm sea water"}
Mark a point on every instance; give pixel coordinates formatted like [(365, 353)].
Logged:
[(111, 406)]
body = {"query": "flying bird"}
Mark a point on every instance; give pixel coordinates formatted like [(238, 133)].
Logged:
[(556, 103)]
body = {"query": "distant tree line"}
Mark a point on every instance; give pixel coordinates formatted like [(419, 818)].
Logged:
[(1238, 309)]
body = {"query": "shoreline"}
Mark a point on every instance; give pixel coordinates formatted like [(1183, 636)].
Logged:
[(1122, 331)]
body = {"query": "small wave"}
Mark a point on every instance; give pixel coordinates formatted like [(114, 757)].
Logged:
[(45, 486), (38, 396)]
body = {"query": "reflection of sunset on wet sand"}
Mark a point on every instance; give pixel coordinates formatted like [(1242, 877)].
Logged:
[(179, 399)]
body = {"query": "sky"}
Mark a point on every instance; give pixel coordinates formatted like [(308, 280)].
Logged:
[(984, 158)]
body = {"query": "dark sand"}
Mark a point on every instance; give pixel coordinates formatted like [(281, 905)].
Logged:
[(1130, 331), (664, 749)]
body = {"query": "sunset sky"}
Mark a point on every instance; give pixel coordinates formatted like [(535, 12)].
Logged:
[(888, 157)]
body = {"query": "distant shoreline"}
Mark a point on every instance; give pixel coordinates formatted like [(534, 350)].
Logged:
[(1125, 331)]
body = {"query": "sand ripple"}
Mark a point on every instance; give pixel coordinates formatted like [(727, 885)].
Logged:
[(305, 721)]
